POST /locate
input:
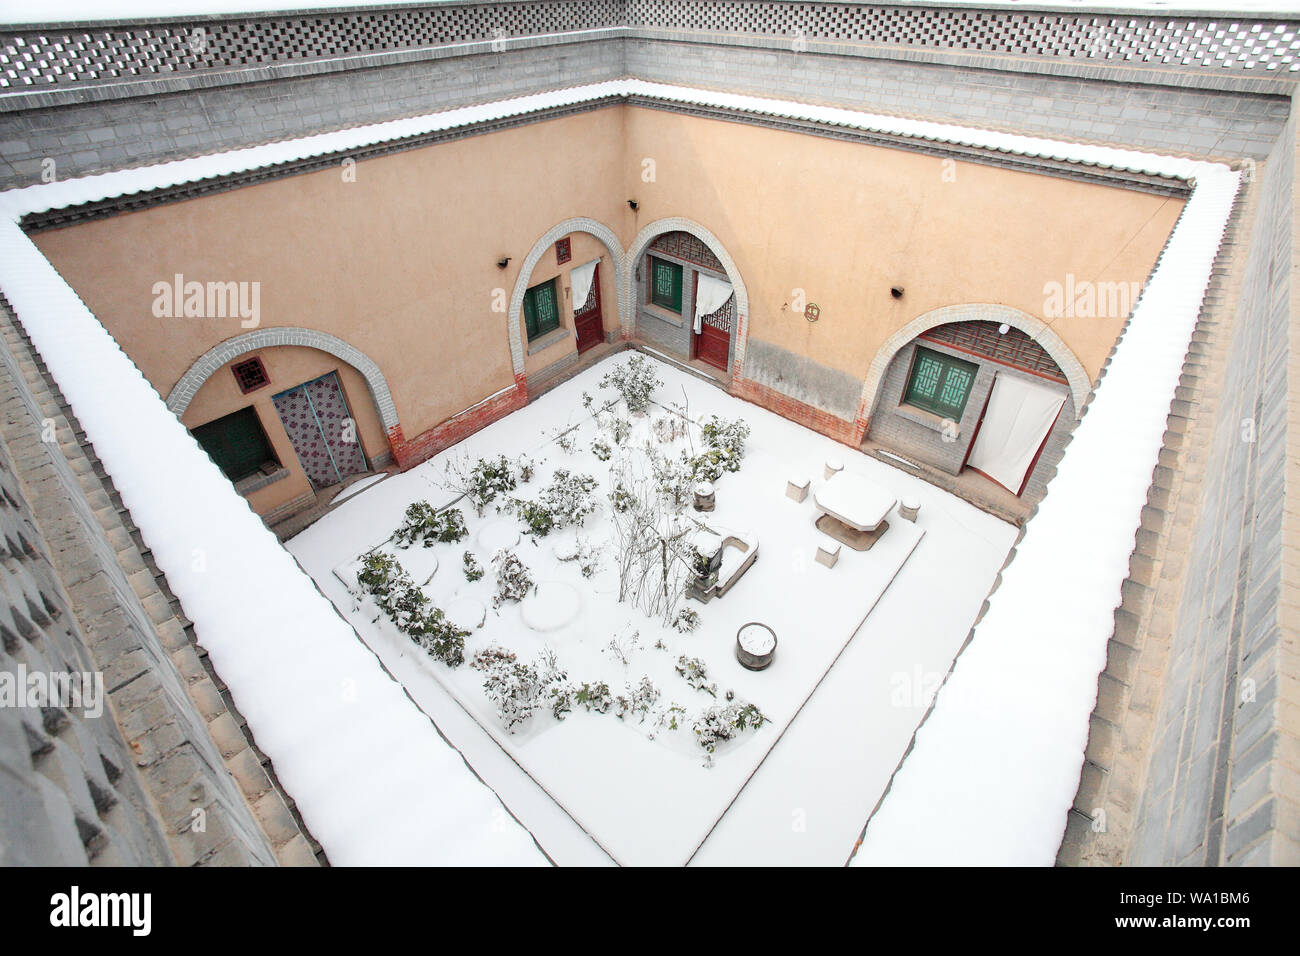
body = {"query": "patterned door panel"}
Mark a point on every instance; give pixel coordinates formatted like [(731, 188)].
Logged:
[(321, 428)]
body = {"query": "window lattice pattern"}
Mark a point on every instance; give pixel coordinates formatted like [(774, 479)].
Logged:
[(1015, 348), (34, 60), (724, 318), (1238, 44), (41, 59), (683, 245)]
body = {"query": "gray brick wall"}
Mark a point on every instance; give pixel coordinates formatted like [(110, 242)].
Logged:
[(1197, 120), (98, 136), (1210, 791), (120, 788)]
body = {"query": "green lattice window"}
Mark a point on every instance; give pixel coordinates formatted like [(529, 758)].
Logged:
[(666, 285), (236, 443), (541, 309), (940, 383)]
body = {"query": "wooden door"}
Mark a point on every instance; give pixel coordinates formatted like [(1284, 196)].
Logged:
[(322, 430), (588, 324), (713, 342)]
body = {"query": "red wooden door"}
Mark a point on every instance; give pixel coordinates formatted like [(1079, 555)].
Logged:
[(587, 322), (713, 341)]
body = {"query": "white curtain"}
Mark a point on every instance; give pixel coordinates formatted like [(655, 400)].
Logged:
[(1019, 416), (580, 279), (710, 295)]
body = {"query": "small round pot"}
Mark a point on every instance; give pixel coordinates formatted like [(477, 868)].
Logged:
[(754, 662)]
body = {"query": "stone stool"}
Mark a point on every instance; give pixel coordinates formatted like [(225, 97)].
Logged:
[(796, 487), (908, 508), (833, 467), (704, 496), (828, 552)]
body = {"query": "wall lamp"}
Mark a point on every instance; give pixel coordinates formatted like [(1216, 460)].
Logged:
[(502, 263), (633, 204), (896, 291)]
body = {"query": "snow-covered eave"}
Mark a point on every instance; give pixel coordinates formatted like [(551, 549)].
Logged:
[(101, 187), (975, 788)]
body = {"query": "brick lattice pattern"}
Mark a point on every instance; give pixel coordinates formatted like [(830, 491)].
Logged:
[(36, 59)]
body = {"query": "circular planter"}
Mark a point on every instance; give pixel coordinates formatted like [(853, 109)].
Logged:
[(755, 645), (704, 496)]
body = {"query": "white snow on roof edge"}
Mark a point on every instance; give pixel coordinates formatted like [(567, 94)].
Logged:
[(996, 765), (350, 747)]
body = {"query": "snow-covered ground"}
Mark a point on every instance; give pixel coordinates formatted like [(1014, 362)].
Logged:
[(841, 707)]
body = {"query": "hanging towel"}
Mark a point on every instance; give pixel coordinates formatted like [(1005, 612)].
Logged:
[(580, 279), (710, 295)]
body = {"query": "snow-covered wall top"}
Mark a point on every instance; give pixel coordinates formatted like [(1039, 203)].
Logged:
[(1004, 744)]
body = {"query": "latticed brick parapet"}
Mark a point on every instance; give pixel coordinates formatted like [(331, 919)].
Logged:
[(110, 52)]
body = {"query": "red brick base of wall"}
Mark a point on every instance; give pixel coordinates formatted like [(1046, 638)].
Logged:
[(408, 454), (847, 432)]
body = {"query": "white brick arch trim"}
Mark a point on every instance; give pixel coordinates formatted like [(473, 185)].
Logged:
[(554, 234), (680, 224), (1075, 374), (217, 356)]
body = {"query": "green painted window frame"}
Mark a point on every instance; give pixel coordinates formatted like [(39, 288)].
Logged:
[(939, 383), (666, 295), (237, 443), (535, 322)]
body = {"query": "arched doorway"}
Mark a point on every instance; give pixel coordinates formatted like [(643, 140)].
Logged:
[(977, 396), (540, 318), (286, 413), (684, 294)]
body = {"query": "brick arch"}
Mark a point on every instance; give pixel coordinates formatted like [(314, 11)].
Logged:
[(555, 233), (1075, 374), (219, 355), (627, 307)]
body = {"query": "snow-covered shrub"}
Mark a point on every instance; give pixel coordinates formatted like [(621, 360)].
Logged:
[(600, 448), (473, 570), (569, 498), (566, 436), (671, 717), (635, 381), (595, 696), (718, 724), (440, 638), (517, 690), (621, 499), (724, 449), (525, 468), (622, 646), (566, 501), (537, 518), (692, 671), (483, 481), (425, 524), (379, 572), (410, 610), (589, 557), (619, 429), (513, 578), (673, 480), (637, 700), (669, 428), (686, 620)]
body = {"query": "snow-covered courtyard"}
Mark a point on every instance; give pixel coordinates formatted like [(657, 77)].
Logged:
[(622, 730)]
